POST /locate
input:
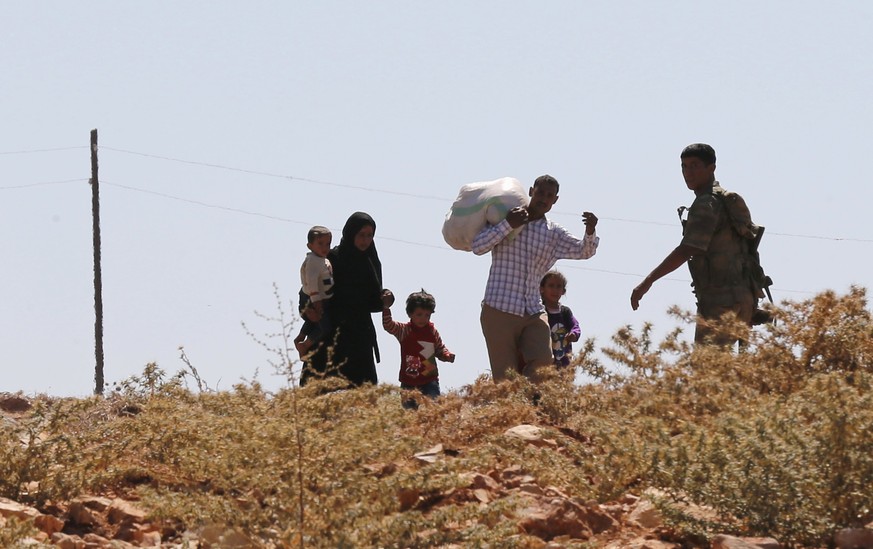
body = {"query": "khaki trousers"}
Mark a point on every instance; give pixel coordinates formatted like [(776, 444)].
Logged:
[(713, 307), (513, 339)]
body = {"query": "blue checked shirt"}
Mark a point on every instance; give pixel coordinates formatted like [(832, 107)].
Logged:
[(519, 261)]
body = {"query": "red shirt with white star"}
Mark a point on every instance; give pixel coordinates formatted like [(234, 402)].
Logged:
[(419, 347)]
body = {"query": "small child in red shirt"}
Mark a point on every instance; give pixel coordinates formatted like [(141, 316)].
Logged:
[(420, 344)]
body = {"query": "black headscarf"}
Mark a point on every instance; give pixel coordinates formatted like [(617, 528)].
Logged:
[(364, 265), (358, 273)]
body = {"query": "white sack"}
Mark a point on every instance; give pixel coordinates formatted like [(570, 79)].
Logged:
[(478, 204)]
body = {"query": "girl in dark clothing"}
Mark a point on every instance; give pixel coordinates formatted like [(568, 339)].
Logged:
[(357, 292)]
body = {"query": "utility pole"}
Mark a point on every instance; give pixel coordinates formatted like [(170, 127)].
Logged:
[(98, 277)]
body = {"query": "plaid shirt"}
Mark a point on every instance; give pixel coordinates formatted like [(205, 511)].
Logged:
[(519, 262)]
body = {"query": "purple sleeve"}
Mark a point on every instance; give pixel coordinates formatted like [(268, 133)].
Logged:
[(574, 327)]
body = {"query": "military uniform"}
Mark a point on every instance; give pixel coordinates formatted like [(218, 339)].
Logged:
[(720, 275)]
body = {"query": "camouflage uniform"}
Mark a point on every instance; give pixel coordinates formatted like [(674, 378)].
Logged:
[(720, 275)]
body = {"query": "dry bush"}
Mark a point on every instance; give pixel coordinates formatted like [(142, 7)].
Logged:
[(773, 439), (14, 530), (828, 333)]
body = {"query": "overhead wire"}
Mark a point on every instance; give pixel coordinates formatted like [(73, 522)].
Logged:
[(413, 195), (42, 183), (251, 213), (422, 196), (346, 186), (204, 204), (339, 185), (280, 176), (386, 238), (55, 149)]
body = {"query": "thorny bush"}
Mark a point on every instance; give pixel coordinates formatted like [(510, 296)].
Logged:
[(773, 439)]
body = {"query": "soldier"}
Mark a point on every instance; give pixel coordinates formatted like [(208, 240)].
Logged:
[(717, 242)]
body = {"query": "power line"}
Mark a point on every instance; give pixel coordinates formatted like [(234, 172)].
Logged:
[(286, 220), (771, 233), (205, 204), (622, 220), (329, 183), (386, 238), (42, 183), (279, 176), (837, 238), (426, 197), (208, 165), (56, 149), (255, 214), (685, 280)]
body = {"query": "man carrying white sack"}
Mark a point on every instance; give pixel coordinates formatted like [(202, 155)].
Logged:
[(514, 321)]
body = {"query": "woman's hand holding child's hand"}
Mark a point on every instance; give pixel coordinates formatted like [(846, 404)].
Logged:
[(387, 299)]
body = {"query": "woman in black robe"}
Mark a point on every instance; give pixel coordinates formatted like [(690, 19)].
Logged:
[(357, 293)]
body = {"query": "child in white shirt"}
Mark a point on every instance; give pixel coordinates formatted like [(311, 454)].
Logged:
[(316, 278)]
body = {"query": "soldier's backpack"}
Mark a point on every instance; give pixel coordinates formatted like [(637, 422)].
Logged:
[(741, 222)]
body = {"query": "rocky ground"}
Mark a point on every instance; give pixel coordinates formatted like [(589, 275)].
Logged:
[(547, 518)]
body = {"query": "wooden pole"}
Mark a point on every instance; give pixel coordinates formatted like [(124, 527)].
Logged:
[(98, 277)]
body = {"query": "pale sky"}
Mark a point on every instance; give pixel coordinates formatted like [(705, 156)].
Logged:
[(319, 109)]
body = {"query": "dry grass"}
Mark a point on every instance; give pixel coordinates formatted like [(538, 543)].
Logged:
[(775, 439)]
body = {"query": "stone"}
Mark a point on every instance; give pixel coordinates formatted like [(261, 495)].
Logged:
[(10, 508), (124, 511), (645, 515), (150, 539), (48, 524), (854, 538), (723, 541), (66, 541), (478, 480), (380, 470), (598, 520), (96, 503), (14, 404), (532, 489), (528, 433), (550, 518), (80, 515), (430, 455)]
